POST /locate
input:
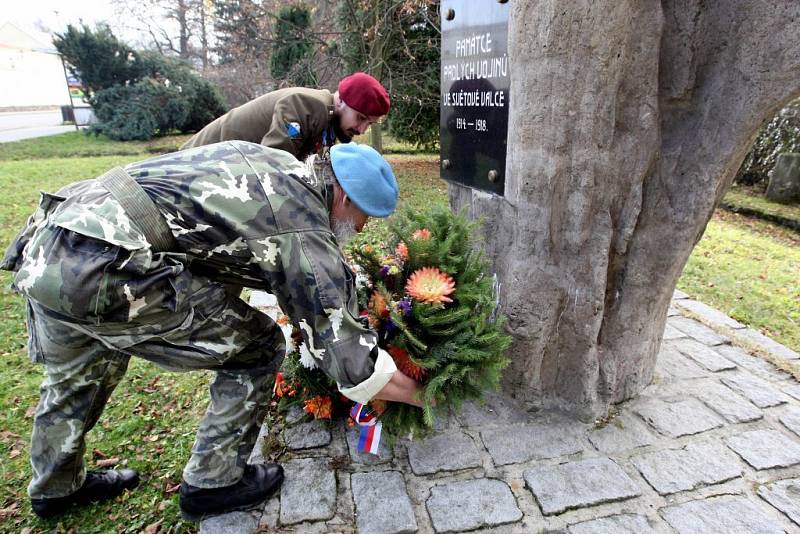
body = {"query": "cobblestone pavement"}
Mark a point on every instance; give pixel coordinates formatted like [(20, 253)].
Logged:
[(713, 445)]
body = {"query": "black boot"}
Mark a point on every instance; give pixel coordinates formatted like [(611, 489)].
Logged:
[(98, 486), (258, 482)]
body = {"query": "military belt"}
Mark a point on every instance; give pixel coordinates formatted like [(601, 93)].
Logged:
[(140, 208)]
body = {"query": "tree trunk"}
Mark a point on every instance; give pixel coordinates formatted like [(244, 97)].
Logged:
[(628, 121)]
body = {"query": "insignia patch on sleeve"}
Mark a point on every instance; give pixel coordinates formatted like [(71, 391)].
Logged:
[(293, 129)]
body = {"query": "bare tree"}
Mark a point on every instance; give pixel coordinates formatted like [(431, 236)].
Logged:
[(629, 119), (173, 27)]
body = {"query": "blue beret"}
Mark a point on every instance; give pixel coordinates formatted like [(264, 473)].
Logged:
[(366, 177)]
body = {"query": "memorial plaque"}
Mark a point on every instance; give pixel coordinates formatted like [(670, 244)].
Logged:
[(475, 89)]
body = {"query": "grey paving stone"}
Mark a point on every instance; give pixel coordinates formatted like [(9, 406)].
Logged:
[(672, 311), (471, 504), (678, 294), (719, 515), (308, 492), (382, 503), (670, 332), (443, 452), (705, 356), (558, 488), (757, 391), (791, 419), (785, 496), (757, 366), (709, 314), (770, 345), (693, 466), (726, 403), (495, 410), (698, 331), (294, 414), (765, 449), (678, 366), (793, 390), (231, 523), (384, 451), (622, 433), (536, 441), (675, 419), (615, 524), (307, 435)]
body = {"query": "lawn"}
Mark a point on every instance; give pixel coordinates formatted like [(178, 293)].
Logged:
[(747, 269)]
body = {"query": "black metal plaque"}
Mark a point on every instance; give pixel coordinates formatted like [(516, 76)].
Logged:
[(475, 89)]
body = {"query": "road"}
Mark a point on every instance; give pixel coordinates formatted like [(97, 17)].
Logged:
[(27, 124)]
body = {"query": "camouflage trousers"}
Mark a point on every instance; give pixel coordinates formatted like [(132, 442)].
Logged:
[(83, 363)]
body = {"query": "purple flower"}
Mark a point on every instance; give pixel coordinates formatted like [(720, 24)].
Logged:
[(389, 326), (404, 306), (384, 271)]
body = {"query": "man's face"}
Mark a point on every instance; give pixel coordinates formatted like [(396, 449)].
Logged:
[(349, 123), (347, 220)]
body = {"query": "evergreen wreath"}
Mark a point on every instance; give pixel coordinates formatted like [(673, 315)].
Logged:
[(435, 310)]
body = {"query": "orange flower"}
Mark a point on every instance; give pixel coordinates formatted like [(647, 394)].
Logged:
[(368, 249), (320, 407), (282, 387), (401, 251), (378, 304), (430, 285), (405, 365), (423, 234), (282, 319)]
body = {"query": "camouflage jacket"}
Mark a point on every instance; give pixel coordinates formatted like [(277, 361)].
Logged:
[(240, 213)]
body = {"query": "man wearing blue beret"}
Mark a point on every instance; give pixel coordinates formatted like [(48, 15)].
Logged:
[(136, 263)]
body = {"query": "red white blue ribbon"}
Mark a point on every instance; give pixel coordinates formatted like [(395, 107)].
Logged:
[(369, 437)]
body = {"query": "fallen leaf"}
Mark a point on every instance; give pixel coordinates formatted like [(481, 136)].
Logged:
[(30, 412), (5, 434), (172, 488), (107, 462), (9, 511), (97, 453), (153, 528), (14, 453)]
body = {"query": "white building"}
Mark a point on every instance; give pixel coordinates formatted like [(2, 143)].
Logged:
[(31, 74)]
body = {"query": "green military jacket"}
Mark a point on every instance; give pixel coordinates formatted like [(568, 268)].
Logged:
[(295, 119), (240, 213)]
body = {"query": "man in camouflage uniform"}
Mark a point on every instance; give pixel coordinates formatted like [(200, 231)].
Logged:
[(137, 263), (299, 120)]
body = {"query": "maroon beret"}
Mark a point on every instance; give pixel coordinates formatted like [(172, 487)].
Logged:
[(364, 94)]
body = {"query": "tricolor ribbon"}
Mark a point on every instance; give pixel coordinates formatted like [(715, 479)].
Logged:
[(369, 437)]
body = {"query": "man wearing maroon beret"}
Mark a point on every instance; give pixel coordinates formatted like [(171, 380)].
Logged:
[(299, 120)]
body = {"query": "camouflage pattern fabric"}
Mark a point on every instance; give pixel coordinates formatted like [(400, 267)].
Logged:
[(242, 215)]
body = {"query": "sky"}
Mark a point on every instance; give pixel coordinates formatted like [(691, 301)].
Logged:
[(54, 15)]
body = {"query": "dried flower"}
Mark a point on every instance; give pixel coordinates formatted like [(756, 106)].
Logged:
[(378, 304), (422, 234), (320, 407), (430, 285)]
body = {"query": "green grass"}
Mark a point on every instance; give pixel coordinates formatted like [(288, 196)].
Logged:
[(749, 270), (753, 202), (81, 144)]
